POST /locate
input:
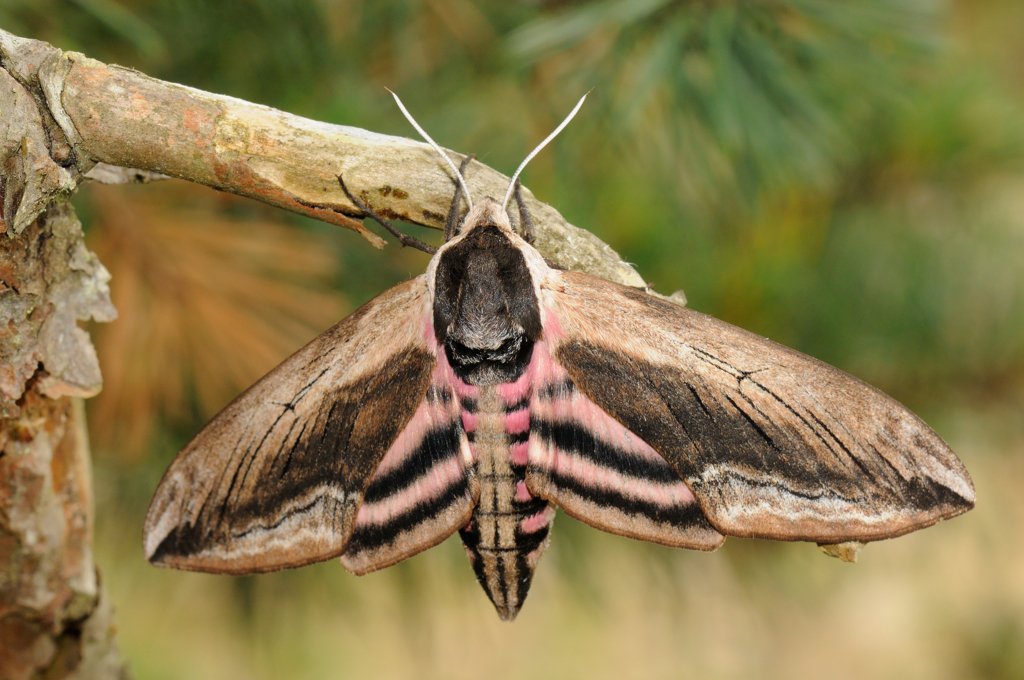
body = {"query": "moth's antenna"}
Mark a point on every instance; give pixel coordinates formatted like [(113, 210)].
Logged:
[(512, 183), (431, 142)]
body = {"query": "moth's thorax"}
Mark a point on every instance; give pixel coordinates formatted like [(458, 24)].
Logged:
[(485, 312)]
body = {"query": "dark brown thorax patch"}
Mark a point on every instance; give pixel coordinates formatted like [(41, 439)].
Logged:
[(485, 310)]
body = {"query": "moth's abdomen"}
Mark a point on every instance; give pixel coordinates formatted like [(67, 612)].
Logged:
[(510, 527)]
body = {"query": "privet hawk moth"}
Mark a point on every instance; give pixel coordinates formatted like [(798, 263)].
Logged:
[(481, 395)]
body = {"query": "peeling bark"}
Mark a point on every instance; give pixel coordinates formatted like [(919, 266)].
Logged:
[(48, 282), (111, 174), (54, 621)]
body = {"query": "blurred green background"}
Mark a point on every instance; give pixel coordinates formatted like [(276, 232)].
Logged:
[(843, 176)]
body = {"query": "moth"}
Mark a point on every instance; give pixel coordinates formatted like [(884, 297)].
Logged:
[(481, 395)]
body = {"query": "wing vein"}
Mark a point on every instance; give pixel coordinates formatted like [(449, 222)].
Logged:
[(753, 423)]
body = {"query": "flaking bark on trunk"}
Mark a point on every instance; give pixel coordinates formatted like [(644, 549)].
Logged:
[(55, 621)]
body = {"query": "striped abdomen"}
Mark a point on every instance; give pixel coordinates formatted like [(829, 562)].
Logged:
[(510, 527)]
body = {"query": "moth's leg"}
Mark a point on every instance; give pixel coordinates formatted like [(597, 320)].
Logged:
[(525, 221), (451, 224), (402, 238)]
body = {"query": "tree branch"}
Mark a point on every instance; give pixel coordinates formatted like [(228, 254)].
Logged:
[(95, 112)]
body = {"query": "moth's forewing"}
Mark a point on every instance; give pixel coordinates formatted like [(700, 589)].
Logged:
[(773, 443), (276, 479)]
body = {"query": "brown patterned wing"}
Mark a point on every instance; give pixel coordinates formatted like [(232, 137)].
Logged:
[(276, 479), (773, 443)]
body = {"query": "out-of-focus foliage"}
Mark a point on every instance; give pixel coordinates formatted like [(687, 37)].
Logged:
[(736, 99), (208, 301), (845, 176)]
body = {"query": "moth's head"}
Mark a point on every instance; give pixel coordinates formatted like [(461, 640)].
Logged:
[(486, 212)]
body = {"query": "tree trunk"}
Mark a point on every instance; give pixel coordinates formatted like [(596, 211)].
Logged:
[(55, 621)]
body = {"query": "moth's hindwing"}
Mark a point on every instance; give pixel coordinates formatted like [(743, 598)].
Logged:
[(276, 479), (772, 443), (424, 489), (599, 472)]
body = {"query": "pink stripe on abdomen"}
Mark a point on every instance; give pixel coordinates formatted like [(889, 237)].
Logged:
[(535, 522)]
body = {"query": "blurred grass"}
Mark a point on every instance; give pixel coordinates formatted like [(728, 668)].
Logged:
[(942, 603), (844, 177)]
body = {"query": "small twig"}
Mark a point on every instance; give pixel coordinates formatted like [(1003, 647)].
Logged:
[(111, 174), (525, 221), (404, 239)]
